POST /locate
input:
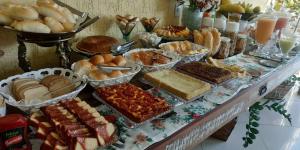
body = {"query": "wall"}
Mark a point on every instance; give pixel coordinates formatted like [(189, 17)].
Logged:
[(106, 9)]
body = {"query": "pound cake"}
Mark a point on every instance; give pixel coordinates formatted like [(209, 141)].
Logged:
[(206, 71), (178, 83), (135, 103)]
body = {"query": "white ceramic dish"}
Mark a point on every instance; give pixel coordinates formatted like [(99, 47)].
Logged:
[(5, 88)]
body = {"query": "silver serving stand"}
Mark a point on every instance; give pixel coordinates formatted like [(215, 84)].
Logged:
[(60, 40)]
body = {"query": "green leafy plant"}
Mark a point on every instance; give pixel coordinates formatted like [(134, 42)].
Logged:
[(254, 118)]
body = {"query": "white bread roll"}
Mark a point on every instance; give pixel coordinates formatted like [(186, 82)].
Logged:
[(31, 26), (20, 12), (20, 2), (67, 14), (54, 25), (5, 19), (48, 11), (83, 67), (46, 2)]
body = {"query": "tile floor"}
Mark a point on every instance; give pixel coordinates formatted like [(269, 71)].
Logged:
[(275, 132)]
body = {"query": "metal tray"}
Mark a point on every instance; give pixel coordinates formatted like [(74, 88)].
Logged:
[(128, 122), (184, 101)]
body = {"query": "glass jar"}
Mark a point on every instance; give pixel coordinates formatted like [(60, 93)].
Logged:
[(232, 29), (207, 22), (220, 24), (241, 43), (223, 51)]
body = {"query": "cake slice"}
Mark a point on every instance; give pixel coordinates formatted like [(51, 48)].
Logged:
[(177, 83)]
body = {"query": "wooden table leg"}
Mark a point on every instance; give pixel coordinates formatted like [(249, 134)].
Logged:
[(24, 63)]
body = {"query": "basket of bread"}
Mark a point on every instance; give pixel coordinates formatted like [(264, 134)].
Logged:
[(41, 88), (152, 59), (187, 50), (105, 69), (42, 17)]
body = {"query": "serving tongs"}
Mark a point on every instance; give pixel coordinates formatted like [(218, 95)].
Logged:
[(112, 68), (121, 49)]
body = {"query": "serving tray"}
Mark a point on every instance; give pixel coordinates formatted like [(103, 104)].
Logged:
[(128, 122)]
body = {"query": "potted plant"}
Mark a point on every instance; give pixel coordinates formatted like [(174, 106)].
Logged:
[(193, 12)]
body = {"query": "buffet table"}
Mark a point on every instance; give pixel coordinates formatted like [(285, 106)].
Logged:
[(192, 123)]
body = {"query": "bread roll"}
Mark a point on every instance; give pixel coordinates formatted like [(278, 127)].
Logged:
[(108, 58), (115, 73), (216, 41), (19, 2), (82, 67), (5, 19), (97, 75), (198, 37), (48, 11), (69, 27), (47, 2), (119, 61), (54, 25), (208, 41), (97, 59), (67, 14), (110, 64), (31, 26), (20, 12)]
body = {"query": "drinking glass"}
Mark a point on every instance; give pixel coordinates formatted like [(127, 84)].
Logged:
[(287, 42), (126, 30), (264, 28)]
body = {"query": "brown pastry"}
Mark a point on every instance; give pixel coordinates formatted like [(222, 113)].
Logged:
[(115, 73), (119, 61), (216, 41), (198, 37), (97, 59), (208, 41), (206, 71), (82, 67), (97, 44), (108, 58), (97, 75)]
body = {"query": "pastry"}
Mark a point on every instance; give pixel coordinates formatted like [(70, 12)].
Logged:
[(206, 71), (115, 73), (97, 44), (183, 48), (208, 41), (20, 12), (216, 41), (133, 102), (97, 75), (198, 37), (31, 26), (54, 25), (82, 67), (150, 58), (149, 24), (108, 58), (177, 83), (5, 19), (48, 11), (119, 61), (97, 59), (126, 23), (172, 31)]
